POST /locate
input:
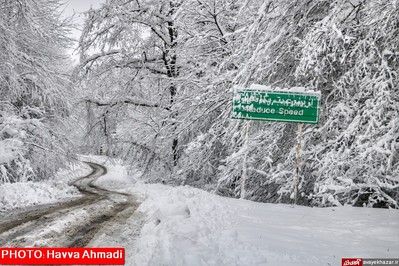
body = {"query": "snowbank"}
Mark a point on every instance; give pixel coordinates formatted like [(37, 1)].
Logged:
[(187, 226), (25, 194), (20, 195)]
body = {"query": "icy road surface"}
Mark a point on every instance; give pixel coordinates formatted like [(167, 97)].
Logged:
[(69, 224)]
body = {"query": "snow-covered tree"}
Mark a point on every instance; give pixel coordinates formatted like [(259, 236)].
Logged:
[(351, 56), (33, 89), (345, 49), (163, 71), (135, 43), (336, 48)]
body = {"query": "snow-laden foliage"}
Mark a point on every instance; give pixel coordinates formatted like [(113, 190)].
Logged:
[(33, 89), (347, 52), (351, 56), (128, 56), (162, 72)]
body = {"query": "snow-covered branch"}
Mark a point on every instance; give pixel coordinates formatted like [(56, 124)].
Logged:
[(131, 101)]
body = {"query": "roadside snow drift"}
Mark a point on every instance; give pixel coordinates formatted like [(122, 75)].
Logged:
[(187, 226), (20, 195), (24, 194)]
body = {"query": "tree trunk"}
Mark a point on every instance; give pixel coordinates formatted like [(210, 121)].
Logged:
[(172, 72)]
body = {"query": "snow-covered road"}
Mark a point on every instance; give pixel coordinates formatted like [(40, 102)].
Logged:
[(187, 226), (73, 223)]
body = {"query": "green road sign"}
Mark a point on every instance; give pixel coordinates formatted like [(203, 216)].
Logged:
[(274, 105)]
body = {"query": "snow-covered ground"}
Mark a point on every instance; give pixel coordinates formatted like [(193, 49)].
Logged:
[(21, 195), (187, 226)]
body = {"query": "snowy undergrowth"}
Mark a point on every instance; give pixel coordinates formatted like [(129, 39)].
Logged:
[(25, 194), (72, 172), (188, 226)]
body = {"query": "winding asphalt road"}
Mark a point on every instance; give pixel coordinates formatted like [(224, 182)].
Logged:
[(69, 224)]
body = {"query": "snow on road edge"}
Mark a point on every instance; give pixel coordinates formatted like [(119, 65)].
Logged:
[(21, 195), (188, 226)]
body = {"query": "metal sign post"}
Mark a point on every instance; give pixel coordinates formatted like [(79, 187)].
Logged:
[(298, 162), (244, 161), (295, 105)]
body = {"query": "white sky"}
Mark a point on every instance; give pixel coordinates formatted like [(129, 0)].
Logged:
[(77, 7)]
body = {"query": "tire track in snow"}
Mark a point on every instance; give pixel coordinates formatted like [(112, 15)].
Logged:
[(73, 223)]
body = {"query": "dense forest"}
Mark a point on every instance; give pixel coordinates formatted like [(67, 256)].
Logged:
[(155, 86), (35, 89)]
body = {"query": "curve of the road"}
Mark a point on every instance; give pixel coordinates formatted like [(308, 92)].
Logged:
[(72, 223)]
